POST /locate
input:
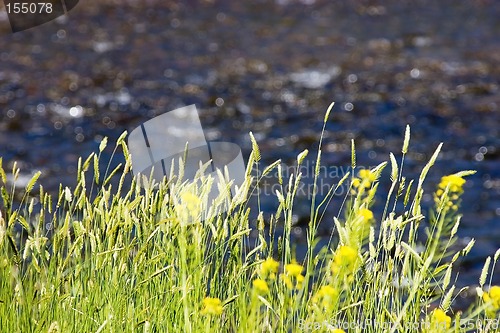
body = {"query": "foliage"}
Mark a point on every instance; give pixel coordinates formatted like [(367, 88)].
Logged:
[(156, 258)]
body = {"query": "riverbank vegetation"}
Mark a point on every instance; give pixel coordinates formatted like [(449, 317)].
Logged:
[(151, 257)]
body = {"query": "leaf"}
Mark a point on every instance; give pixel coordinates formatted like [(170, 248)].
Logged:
[(270, 167), (2, 172), (447, 277), (230, 300), (115, 170), (280, 175), (406, 141), (327, 114), (280, 196), (240, 233), (23, 222), (429, 164), (353, 155), (412, 251), (32, 181), (158, 272), (96, 169), (255, 147), (87, 162), (465, 173), (67, 194), (468, 247), (121, 138), (318, 164), (103, 144), (12, 219), (255, 250), (343, 236), (266, 303), (497, 254), (445, 304), (394, 165), (408, 192), (455, 226), (301, 156), (484, 272)]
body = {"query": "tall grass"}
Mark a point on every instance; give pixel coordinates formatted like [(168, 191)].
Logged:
[(158, 257)]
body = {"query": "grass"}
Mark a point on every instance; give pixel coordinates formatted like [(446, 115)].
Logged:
[(159, 258)]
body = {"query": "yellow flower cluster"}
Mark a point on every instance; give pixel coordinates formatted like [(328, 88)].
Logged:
[(493, 298), (269, 268), (345, 261), (359, 225), (455, 185), (211, 306), (326, 297), (364, 181), (293, 277), (294, 269), (190, 201), (189, 209), (367, 175), (439, 321), (366, 214), (260, 286)]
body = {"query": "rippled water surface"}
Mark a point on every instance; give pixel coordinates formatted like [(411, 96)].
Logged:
[(270, 67)]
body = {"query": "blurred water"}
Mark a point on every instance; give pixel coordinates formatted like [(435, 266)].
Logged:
[(271, 67)]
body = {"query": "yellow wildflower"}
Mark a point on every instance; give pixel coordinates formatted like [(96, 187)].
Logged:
[(493, 297), (328, 292), (190, 208), (440, 320), (269, 268), (454, 182), (191, 201), (366, 214), (293, 269), (288, 282), (365, 181), (367, 176), (345, 260), (326, 297), (211, 306), (356, 182), (293, 278), (293, 282), (260, 286), (300, 280), (337, 330)]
